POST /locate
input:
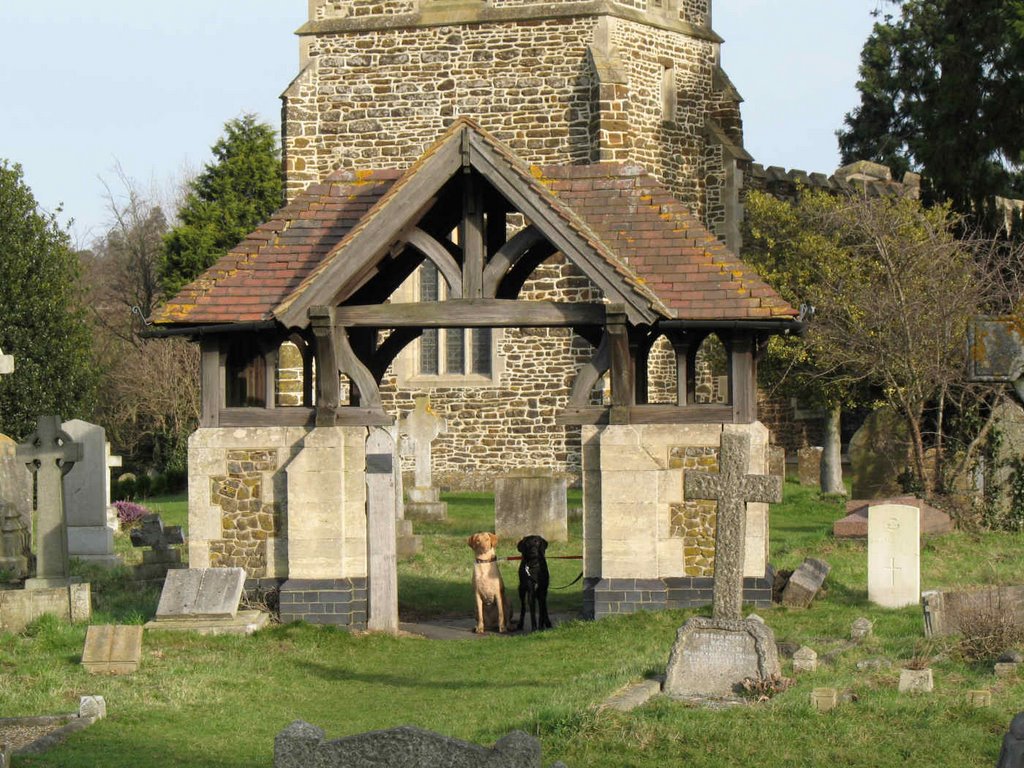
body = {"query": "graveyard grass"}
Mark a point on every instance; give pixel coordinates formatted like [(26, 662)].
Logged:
[(220, 701)]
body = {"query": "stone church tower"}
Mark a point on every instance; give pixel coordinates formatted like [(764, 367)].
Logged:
[(558, 82)]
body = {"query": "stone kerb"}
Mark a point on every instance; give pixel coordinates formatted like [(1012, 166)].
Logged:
[(301, 745)]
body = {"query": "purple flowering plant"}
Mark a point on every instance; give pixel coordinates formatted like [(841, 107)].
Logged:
[(129, 513)]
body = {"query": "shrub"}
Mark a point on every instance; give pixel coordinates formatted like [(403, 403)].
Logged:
[(129, 513), (763, 688), (986, 632)]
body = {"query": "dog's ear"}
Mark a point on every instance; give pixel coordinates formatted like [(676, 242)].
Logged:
[(521, 546), (470, 540), (543, 544), (494, 539)]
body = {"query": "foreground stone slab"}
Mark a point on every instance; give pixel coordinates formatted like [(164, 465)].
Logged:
[(209, 593), (20, 607), (302, 745), (112, 649), (711, 657)]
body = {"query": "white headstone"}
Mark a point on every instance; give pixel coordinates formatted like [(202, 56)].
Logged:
[(894, 555), (6, 364), (87, 495)]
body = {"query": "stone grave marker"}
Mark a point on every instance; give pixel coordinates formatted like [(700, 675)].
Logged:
[(50, 454), (711, 657), (777, 461), (894, 555), (6, 364), (878, 454), (112, 649), (805, 660), (808, 465), (420, 428), (805, 582), (861, 629), (531, 501), (205, 600), (948, 612), (163, 554), (87, 496), (302, 745), (855, 524), (979, 698), (824, 699)]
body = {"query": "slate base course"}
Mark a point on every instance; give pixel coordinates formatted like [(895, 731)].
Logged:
[(340, 602), (609, 597)]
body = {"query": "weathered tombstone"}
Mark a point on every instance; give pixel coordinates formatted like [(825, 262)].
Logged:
[(301, 745), (824, 699), (808, 465), (861, 629), (1012, 753), (805, 660), (878, 455), (916, 681), (805, 582), (112, 649), (894, 555), (420, 428), (50, 454), (711, 657), (1006, 670), (531, 501), (1008, 423), (381, 530), (979, 698), (163, 554), (777, 461), (87, 496), (205, 600)]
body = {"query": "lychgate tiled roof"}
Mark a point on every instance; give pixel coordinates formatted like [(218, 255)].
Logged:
[(658, 255), (267, 266), (686, 266)]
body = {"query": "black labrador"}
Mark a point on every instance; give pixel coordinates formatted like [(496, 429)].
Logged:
[(533, 582)]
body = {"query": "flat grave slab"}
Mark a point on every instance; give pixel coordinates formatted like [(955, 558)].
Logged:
[(112, 649), (712, 657), (210, 593)]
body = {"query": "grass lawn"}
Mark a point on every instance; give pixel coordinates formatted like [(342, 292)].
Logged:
[(208, 702)]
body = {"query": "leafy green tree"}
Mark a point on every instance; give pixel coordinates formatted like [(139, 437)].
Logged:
[(237, 191), (942, 92), (41, 320)]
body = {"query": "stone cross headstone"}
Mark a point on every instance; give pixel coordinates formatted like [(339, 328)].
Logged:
[(50, 454), (420, 428), (732, 488), (894, 555), (87, 496), (712, 657), (163, 554)]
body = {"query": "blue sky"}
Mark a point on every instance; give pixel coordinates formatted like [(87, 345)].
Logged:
[(149, 85)]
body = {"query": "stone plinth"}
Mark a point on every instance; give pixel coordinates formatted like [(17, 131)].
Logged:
[(712, 657), (531, 502), (20, 607)]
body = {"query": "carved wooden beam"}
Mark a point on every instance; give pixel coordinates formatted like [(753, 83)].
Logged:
[(350, 364), (438, 254), (473, 313), (589, 374), (328, 385), (506, 256)]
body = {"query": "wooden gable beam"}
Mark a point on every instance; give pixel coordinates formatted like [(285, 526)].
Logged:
[(507, 256), (472, 313), (560, 235), (438, 254)]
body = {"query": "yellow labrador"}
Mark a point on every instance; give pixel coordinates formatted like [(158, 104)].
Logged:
[(493, 611)]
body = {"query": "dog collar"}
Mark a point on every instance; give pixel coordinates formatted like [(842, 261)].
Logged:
[(493, 559)]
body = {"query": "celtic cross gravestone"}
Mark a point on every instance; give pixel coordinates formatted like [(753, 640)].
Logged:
[(50, 454)]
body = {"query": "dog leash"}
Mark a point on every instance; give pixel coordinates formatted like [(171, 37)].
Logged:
[(552, 557)]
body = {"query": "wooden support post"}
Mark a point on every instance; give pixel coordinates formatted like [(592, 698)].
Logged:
[(473, 238), (623, 393), (328, 381), (743, 378), (381, 458), (682, 350), (270, 358), (640, 353), (210, 382)]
